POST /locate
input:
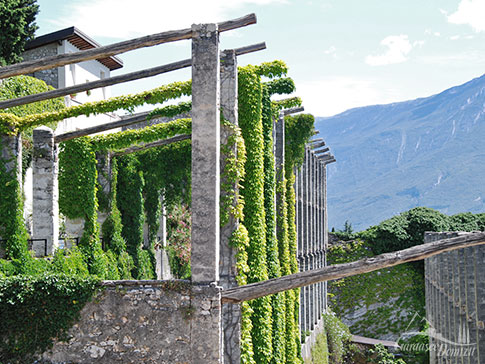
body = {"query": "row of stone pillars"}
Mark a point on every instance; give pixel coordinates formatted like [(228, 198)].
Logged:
[(311, 216), (455, 303)]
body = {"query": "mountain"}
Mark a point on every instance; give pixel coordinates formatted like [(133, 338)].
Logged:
[(390, 158)]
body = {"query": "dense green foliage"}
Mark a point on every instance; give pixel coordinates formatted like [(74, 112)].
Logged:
[(250, 97), (380, 355), (270, 248), (35, 310), (9, 122), (17, 26), (338, 335), (407, 229)]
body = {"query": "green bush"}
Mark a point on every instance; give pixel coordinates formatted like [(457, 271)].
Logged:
[(405, 230), (320, 349), (145, 267), (465, 221), (338, 336), (70, 262), (35, 310), (380, 355), (125, 265)]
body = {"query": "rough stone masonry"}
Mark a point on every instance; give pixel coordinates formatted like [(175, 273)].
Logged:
[(167, 322)]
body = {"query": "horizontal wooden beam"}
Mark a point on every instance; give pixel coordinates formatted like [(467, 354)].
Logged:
[(149, 72), (250, 48), (329, 161), (317, 145), (315, 140), (293, 110), (115, 48), (321, 151), (158, 143), (338, 271), (324, 157), (132, 119)]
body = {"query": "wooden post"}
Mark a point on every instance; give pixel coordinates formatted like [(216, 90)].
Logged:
[(205, 153), (45, 212), (231, 314)]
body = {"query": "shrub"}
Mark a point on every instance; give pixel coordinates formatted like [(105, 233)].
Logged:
[(70, 262), (338, 335)]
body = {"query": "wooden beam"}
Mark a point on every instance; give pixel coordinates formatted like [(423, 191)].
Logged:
[(321, 151), (149, 72), (329, 161), (115, 48), (324, 157), (158, 143), (316, 140), (249, 49), (317, 145), (338, 271), (133, 119), (293, 110)]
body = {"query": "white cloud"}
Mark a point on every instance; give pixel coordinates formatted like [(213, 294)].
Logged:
[(398, 47), (454, 37), (127, 18), (333, 95), (330, 50), (470, 12)]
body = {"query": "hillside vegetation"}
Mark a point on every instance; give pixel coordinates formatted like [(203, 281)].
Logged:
[(384, 304)]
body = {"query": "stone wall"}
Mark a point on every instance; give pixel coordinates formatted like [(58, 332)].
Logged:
[(455, 303), (51, 76), (163, 322)]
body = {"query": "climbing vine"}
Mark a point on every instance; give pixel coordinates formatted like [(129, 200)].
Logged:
[(9, 122), (249, 109)]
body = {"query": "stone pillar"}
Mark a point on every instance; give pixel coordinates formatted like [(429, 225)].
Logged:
[(306, 240), (11, 154), (205, 153), (231, 314), (45, 217), (162, 264), (325, 226)]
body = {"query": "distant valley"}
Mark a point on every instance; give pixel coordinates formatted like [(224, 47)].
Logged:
[(390, 158)]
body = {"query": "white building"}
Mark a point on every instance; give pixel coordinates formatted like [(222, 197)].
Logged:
[(72, 40), (64, 41)]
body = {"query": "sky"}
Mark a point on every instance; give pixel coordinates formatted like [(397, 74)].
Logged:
[(340, 53)]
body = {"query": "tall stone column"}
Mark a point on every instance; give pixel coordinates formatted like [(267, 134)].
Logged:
[(162, 265), (45, 216), (231, 314), (205, 153)]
